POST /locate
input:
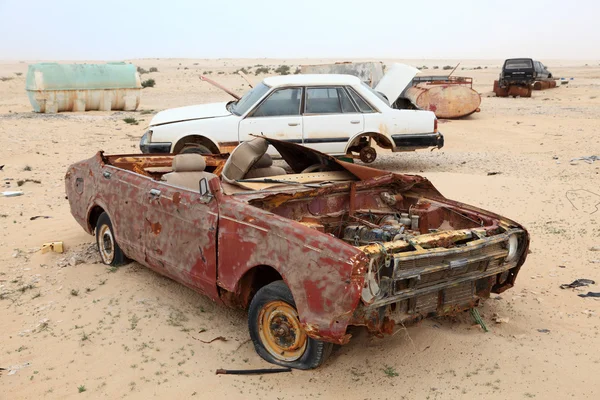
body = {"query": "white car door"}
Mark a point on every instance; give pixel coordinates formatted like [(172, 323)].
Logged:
[(277, 116), (330, 119)]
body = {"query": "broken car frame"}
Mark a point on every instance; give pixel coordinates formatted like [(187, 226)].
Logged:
[(330, 245)]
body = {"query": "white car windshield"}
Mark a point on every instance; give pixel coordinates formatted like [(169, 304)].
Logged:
[(241, 106)]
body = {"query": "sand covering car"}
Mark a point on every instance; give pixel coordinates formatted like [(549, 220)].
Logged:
[(309, 249)]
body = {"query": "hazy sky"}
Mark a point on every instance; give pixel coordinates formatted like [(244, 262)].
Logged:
[(457, 29)]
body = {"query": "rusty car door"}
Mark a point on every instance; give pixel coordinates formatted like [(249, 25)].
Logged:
[(124, 198), (181, 236)]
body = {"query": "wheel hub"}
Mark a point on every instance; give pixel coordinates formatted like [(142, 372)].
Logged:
[(106, 244), (368, 154), (281, 332)]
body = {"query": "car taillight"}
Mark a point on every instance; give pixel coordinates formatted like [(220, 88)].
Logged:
[(435, 125)]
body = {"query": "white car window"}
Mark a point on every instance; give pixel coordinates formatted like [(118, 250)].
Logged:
[(281, 102), (347, 105), (322, 101), (363, 106)]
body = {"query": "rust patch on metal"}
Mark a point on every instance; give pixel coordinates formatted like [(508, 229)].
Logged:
[(176, 198)]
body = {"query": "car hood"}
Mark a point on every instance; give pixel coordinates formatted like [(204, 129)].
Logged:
[(199, 111), (395, 80)]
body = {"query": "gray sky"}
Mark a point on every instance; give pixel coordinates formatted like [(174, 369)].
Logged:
[(456, 29)]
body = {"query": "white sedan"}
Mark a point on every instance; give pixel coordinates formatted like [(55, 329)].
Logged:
[(335, 114)]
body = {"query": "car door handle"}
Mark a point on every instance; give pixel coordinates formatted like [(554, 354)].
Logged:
[(154, 192), (355, 121), (293, 123)]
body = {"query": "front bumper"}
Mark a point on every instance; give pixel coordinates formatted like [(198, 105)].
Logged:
[(148, 147), (418, 141), (441, 281)]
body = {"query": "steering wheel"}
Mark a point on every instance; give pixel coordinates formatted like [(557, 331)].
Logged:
[(313, 168)]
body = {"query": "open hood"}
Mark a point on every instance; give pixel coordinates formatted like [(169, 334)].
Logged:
[(199, 111), (395, 80)]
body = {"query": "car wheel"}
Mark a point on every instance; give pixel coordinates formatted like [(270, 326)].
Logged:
[(110, 252), (196, 149), (367, 154), (276, 331)]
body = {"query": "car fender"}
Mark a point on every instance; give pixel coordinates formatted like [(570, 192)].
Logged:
[(373, 133)]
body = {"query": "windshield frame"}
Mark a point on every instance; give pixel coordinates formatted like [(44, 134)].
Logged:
[(249, 99)]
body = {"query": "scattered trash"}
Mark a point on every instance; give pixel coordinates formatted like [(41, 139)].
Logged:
[(221, 338), (494, 173), (39, 216), (562, 266), (477, 318), (595, 261), (588, 159), (595, 248), (12, 193), (590, 294), (1, 167), (13, 369), (543, 330), (500, 320), (555, 158), (577, 283), (56, 247), (251, 371)]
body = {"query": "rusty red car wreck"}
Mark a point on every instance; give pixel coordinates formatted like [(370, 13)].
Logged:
[(309, 249)]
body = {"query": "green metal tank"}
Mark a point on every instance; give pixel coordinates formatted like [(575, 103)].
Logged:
[(53, 87)]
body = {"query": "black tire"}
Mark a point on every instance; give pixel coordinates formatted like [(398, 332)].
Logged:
[(109, 250), (315, 353), (196, 149)]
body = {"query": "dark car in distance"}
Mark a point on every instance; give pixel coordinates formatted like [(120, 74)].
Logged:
[(523, 72)]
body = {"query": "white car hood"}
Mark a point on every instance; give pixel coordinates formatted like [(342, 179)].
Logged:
[(199, 111), (395, 80)]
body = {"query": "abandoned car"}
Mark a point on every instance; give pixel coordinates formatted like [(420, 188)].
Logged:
[(309, 249), (522, 72), (335, 114)]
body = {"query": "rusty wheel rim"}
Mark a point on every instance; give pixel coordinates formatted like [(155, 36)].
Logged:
[(106, 244), (368, 154), (280, 331)]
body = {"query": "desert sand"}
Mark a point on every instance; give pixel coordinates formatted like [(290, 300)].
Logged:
[(72, 324)]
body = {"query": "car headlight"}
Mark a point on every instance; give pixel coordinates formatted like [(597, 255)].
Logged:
[(513, 247)]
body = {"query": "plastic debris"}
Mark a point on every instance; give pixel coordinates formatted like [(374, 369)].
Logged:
[(577, 283), (477, 318), (543, 330), (13, 369), (588, 159), (590, 294), (56, 247), (39, 216), (12, 193)]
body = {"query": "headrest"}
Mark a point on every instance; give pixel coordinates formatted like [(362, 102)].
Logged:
[(242, 158), (264, 162), (188, 163)]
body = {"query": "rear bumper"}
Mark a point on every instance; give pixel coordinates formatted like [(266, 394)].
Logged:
[(152, 148), (418, 141)]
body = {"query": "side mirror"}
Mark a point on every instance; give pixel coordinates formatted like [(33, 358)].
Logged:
[(205, 194)]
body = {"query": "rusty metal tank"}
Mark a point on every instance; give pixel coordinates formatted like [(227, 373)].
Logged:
[(53, 87), (445, 99), (543, 85), (512, 90)]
